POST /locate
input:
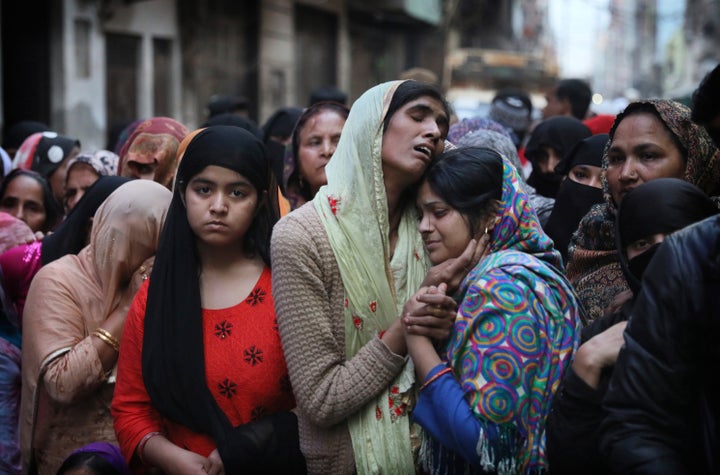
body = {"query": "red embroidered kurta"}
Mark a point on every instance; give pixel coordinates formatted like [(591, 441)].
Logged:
[(244, 365)]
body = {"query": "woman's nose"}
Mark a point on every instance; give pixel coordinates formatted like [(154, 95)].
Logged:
[(327, 149), (433, 130), (219, 204), (424, 225), (628, 171)]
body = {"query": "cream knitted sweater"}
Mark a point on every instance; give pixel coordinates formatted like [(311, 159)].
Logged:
[(309, 300)]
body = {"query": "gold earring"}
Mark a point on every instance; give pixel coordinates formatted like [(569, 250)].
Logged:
[(486, 230)]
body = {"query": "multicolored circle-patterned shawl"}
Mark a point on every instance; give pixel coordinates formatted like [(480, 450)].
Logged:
[(517, 326)]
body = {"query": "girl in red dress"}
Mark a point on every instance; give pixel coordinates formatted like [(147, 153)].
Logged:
[(202, 383)]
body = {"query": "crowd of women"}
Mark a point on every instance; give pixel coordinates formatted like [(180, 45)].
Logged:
[(374, 289)]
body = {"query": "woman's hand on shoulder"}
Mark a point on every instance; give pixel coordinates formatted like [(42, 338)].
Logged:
[(430, 313), (453, 271)]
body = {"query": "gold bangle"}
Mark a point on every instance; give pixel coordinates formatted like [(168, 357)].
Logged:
[(107, 337), (436, 376)]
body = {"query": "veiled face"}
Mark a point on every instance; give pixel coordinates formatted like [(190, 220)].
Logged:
[(636, 248), (588, 175)]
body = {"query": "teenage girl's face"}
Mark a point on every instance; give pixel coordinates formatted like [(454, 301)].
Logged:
[(444, 230), (588, 175), (414, 136), (318, 140), (221, 205), (23, 199), (642, 150)]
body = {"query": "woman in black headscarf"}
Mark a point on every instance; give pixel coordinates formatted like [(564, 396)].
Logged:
[(549, 142), (646, 216), (202, 381), (580, 189)]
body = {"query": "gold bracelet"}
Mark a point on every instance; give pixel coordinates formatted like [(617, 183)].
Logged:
[(107, 337)]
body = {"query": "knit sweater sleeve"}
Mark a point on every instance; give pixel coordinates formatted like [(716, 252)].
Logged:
[(309, 297)]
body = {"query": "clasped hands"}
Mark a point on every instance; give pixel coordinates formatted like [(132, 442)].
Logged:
[(430, 313)]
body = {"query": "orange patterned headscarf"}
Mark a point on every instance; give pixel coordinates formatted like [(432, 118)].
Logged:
[(154, 142)]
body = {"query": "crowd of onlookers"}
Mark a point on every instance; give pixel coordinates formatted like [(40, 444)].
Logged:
[(375, 288)]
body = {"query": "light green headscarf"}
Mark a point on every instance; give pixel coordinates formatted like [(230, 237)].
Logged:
[(353, 208)]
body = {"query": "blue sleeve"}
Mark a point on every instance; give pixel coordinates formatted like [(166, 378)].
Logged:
[(444, 413)]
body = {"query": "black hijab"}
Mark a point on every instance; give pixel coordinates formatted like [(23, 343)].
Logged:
[(228, 118), (173, 357), (281, 125), (574, 199), (660, 206), (560, 133), (71, 235)]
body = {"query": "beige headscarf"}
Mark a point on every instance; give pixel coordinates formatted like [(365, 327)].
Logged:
[(72, 296), (353, 208)]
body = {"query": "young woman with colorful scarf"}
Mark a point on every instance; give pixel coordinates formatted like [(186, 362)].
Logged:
[(346, 264), (486, 392)]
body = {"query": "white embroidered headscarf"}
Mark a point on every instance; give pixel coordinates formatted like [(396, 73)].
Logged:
[(353, 209)]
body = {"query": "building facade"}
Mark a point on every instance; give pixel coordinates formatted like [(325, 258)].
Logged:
[(89, 67)]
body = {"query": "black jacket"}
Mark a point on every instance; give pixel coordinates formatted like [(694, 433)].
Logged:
[(572, 437), (663, 401)]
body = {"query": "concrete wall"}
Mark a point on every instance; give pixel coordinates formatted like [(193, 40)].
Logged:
[(78, 104), (276, 58)]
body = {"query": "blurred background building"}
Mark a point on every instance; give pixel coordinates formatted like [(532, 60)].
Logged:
[(88, 66)]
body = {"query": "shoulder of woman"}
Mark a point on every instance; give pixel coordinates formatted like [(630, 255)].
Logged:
[(62, 273), (512, 268), (298, 228), (19, 259)]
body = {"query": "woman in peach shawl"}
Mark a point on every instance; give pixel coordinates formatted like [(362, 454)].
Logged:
[(72, 323)]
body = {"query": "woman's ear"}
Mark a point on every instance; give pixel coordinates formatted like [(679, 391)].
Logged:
[(495, 213)]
